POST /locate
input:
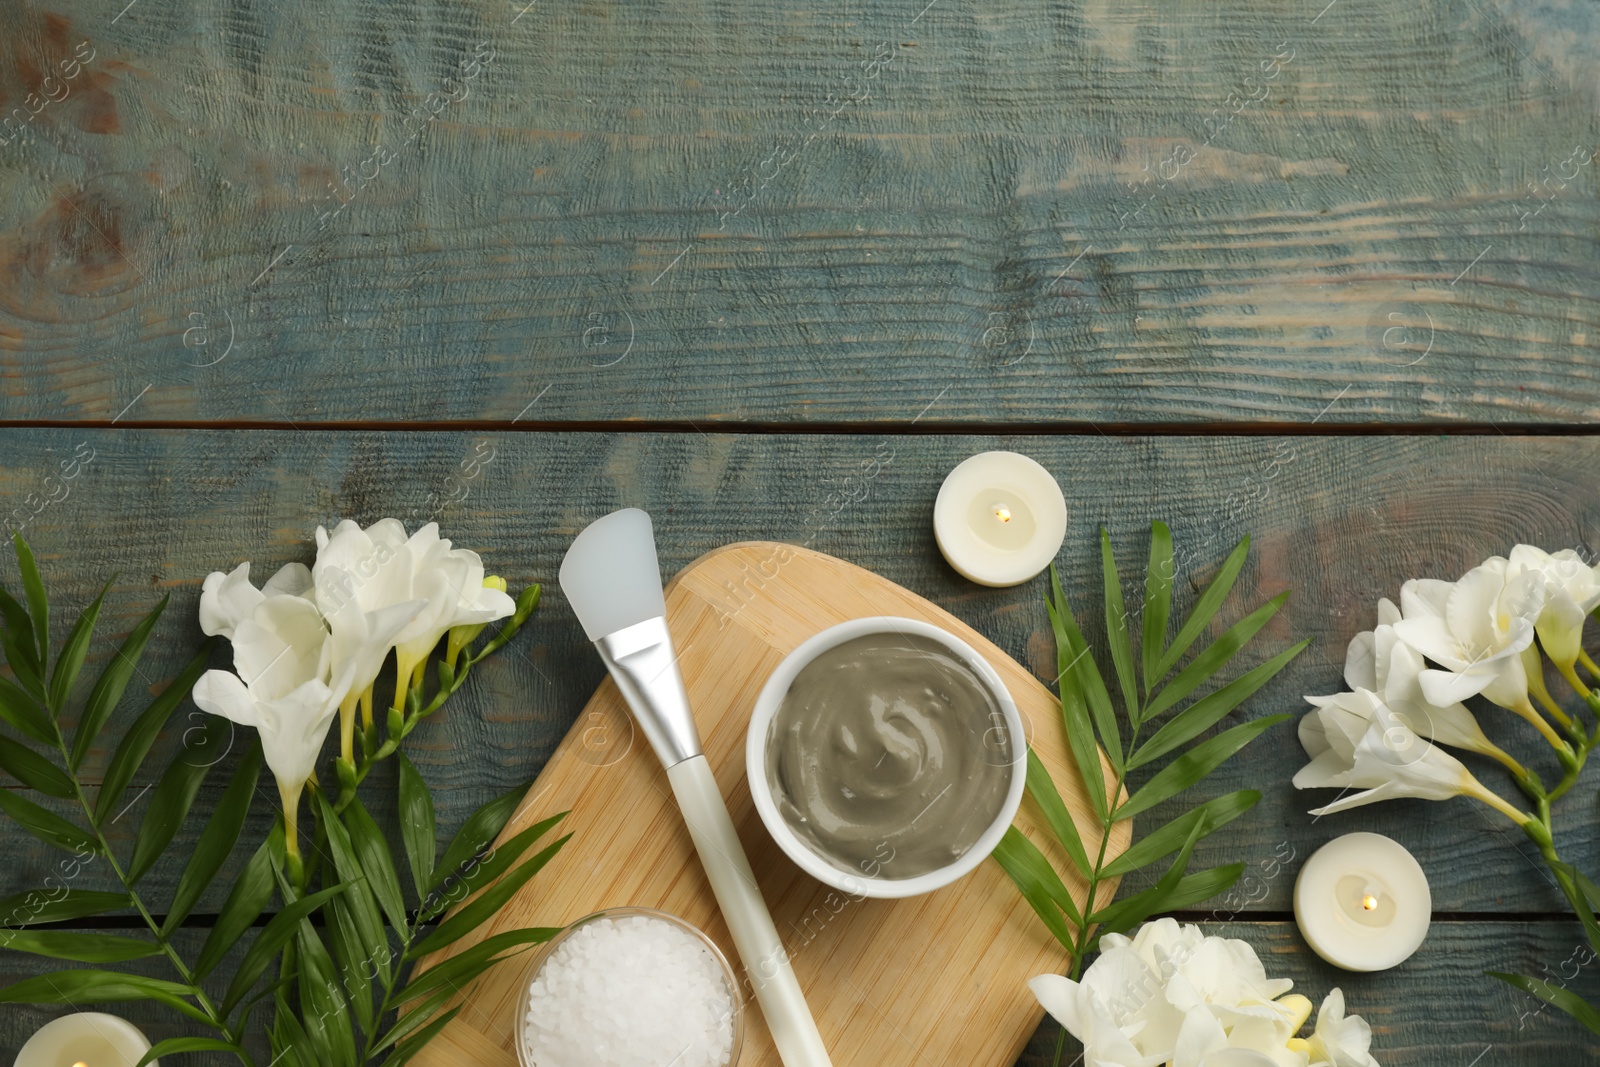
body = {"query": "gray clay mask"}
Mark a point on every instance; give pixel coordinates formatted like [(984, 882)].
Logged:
[(889, 756)]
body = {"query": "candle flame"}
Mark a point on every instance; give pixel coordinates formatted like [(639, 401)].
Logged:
[(1369, 902), (1002, 513), (80, 1063)]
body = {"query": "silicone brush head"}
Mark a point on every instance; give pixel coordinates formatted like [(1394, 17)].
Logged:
[(610, 574)]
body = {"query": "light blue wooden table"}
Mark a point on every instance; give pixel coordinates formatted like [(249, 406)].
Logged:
[(1324, 273)]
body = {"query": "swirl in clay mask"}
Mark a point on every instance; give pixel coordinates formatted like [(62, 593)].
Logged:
[(889, 756)]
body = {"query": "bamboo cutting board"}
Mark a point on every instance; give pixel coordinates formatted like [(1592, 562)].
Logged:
[(937, 979)]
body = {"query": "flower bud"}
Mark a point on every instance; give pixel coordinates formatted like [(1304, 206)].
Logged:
[(459, 637)]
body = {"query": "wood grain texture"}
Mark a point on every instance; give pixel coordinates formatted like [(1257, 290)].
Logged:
[(1151, 213), (925, 977), (1341, 521)]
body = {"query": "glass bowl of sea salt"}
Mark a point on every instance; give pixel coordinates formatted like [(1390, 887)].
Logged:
[(630, 987)]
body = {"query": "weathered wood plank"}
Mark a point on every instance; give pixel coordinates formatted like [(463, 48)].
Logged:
[(1437, 1008), (1341, 521), (1129, 213)]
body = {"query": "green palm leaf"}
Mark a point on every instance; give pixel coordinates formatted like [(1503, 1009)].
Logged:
[(38, 605), (19, 708), (265, 948), (1556, 996), (485, 905), (78, 947), (174, 794), (478, 833), (19, 630), (43, 906), (1216, 813), (1117, 627), (216, 840), (101, 987), (1195, 764), (246, 902), (1157, 600), (492, 866), (417, 827), (174, 1046), (70, 662), (130, 753), (1216, 656), (1087, 711), (47, 826), (33, 770), (1202, 715), (1205, 609), (113, 681)]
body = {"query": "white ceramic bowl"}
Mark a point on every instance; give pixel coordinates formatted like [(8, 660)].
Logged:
[(820, 867)]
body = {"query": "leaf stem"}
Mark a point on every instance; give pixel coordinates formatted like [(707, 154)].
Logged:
[(1580, 756), (210, 1009), (407, 721), (1539, 832), (389, 978), (408, 710), (1084, 940)]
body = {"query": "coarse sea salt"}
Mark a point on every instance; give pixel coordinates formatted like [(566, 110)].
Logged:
[(633, 991)]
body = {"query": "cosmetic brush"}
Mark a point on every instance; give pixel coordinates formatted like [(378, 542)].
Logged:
[(612, 579)]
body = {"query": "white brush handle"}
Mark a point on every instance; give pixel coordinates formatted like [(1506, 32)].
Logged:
[(766, 963)]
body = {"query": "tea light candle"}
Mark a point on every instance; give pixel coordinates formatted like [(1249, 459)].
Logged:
[(1000, 518), (88, 1039), (1362, 902)]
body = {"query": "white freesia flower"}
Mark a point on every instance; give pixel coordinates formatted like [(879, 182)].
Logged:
[(1377, 660), (1476, 629), (357, 574), (295, 665), (312, 641), (1339, 1040), (371, 569), (1481, 630), (1356, 742), (1571, 591), (282, 652), (452, 580), (1171, 995), (1253, 1043), (228, 599), (382, 566), (361, 641)]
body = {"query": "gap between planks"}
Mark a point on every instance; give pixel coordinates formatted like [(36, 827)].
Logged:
[(927, 428)]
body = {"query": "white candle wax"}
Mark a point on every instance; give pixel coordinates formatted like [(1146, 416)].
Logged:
[(1362, 902), (89, 1038), (1000, 518)]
